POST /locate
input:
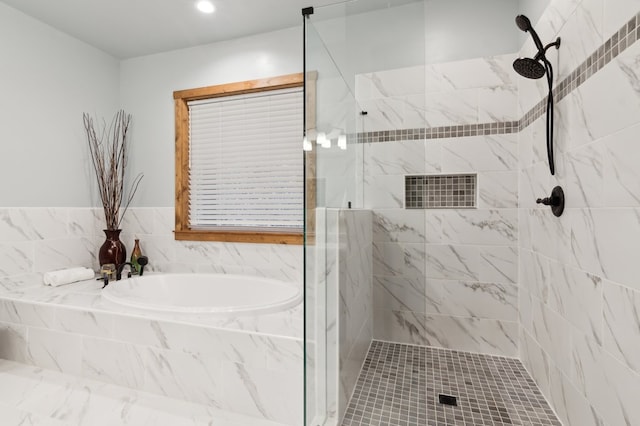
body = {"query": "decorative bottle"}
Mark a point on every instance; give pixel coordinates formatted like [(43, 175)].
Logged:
[(135, 254)]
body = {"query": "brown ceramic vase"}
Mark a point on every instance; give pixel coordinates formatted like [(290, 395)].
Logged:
[(112, 250)]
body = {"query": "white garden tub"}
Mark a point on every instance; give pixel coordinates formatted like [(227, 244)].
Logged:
[(203, 294)]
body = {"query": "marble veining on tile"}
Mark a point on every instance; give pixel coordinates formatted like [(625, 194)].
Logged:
[(32, 395)]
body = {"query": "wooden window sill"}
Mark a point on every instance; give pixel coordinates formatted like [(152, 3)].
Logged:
[(233, 236)]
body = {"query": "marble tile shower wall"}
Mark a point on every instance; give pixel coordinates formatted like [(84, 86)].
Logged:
[(445, 278), (37, 240), (579, 289)]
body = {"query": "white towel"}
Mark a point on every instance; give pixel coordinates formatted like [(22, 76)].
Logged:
[(67, 276)]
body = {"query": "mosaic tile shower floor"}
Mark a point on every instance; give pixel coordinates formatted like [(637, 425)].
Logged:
[(399, 385)]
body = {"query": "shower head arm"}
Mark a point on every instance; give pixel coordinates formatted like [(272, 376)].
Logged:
[(542, 53)]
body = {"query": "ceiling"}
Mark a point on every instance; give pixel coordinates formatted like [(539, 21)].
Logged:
[(131, 28)]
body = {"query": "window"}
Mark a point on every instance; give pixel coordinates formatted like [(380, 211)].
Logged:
[(239, 170)]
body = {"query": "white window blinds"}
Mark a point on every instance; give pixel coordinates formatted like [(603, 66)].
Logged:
[(245, 161)]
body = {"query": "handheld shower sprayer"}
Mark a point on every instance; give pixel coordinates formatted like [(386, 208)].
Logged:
[(525, 25), (532, 67), (535, 68)]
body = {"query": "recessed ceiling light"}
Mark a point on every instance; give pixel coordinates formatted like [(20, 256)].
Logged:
[(205, 6)]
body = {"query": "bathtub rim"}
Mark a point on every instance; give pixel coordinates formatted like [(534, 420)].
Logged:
[(107, 295)]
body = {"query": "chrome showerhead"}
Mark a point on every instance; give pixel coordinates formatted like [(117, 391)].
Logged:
[(529, 68)]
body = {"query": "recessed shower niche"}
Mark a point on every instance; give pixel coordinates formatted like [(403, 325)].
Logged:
[(440, 191)]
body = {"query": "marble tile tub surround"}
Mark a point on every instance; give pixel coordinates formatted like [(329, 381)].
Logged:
[(279, 261), (579, 295), (35, 396), (37, 240), (247, 365), (242, 365)]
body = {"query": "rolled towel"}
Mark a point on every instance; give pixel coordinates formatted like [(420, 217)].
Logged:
[(67, 276)]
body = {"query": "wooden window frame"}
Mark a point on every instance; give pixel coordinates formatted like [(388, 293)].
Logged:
[(181, 99)]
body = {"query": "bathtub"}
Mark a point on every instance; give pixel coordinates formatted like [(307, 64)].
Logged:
[(237, 361), (223, 294)]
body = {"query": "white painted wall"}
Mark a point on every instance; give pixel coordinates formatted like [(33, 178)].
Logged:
[(47, 80), (467, 29), (532, 9), (146, 91)]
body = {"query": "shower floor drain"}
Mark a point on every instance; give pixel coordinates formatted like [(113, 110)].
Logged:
[(447, 399)]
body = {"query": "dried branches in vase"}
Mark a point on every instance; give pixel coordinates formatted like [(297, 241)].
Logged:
[(108, 149)]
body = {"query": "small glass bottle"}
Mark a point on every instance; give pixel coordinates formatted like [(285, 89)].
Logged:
[(108, 271), (135, 254)]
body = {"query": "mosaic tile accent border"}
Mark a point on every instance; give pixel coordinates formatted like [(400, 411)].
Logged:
[(440, 191), (439, 132), (399, 385), (616, 44)]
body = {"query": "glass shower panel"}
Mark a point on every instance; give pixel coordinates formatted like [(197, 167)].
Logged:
[(365, 72), (338, 159), (332, 165)]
